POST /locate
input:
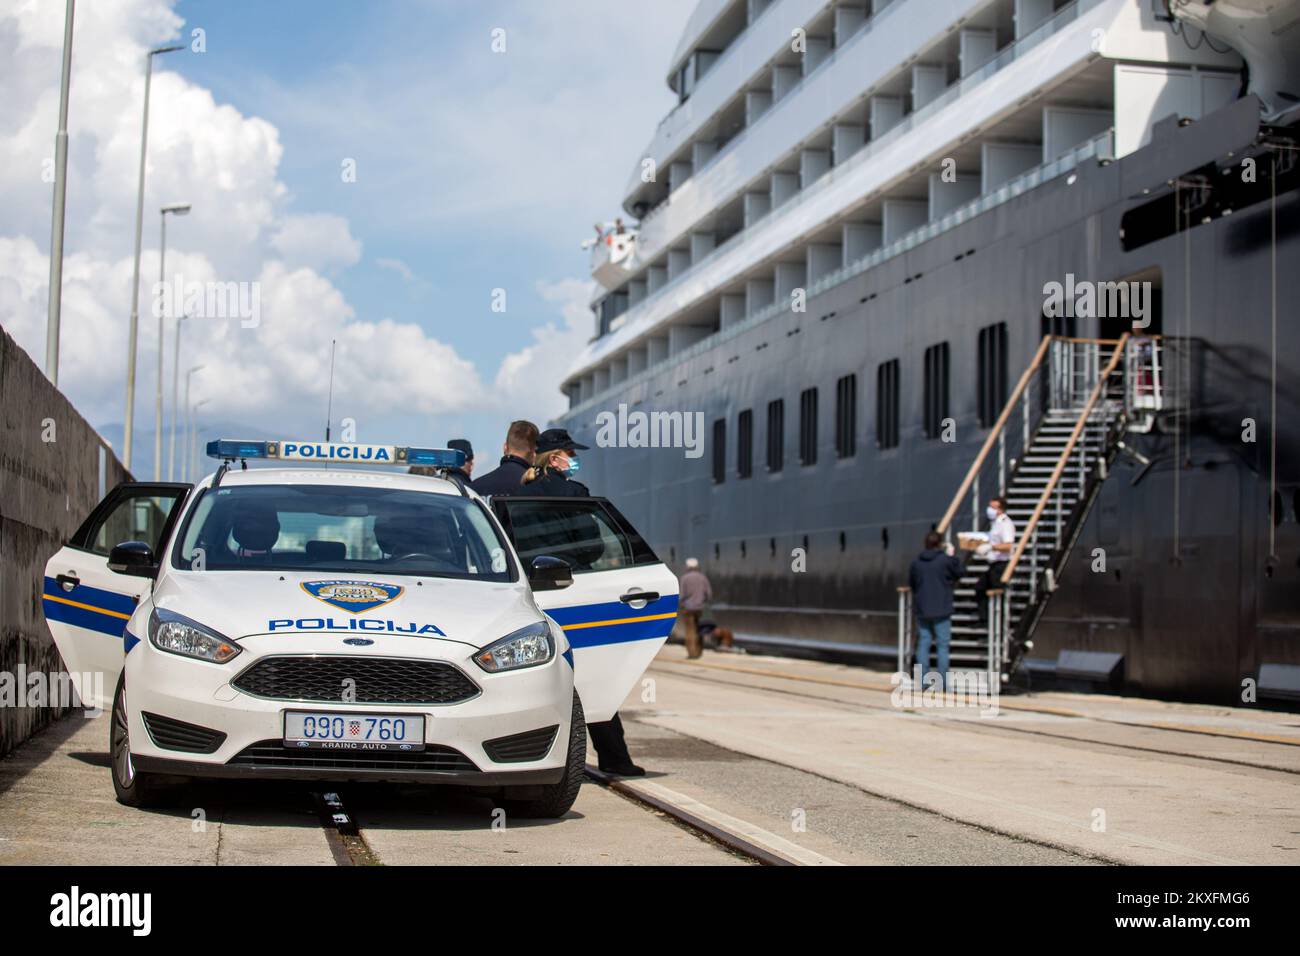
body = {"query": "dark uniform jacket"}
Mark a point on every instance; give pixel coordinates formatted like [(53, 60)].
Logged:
[(932, 576), (554, 484), (502, 480)]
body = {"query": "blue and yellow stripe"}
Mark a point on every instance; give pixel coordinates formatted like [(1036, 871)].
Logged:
[(592, 625), (92, 608)]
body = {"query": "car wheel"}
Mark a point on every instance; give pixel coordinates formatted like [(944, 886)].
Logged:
[(133, 788), (557, 798)]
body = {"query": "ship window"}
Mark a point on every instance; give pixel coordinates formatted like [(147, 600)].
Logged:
[(991, 382), (719, 451), (846, 416), (745, 444), (808, 426), (776, 435), (935, 404), (887, 404)]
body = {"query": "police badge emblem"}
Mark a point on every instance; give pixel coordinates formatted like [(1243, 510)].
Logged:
[(353, 596)]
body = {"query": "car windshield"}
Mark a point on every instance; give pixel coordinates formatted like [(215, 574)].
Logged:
[(348, 529)]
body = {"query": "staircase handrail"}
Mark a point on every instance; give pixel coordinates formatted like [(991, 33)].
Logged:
[(997, 428), (1027, 535)]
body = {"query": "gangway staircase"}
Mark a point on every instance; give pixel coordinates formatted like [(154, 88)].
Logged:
[(1047, 454)]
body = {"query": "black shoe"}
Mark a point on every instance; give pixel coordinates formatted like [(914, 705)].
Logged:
[(624, 770)]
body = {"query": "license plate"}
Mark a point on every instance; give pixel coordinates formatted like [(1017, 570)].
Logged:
[(335, 731)]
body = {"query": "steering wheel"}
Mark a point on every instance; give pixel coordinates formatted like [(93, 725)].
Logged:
[(413, 554)]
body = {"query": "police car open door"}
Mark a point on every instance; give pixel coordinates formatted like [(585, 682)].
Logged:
[(623, 600), (87, 605)]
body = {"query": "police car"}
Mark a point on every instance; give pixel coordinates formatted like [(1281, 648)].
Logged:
[(335, 623)]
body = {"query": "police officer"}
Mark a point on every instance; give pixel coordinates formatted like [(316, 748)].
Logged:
[(554, 466), (552, 475), (462, 474), (517, 458)]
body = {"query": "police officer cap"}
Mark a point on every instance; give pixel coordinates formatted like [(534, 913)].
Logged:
[(556, 438), (462, 444)]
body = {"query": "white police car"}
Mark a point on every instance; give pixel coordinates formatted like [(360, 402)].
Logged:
[(345, 624)]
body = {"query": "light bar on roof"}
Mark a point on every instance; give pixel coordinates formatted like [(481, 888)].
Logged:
[(340, 453)]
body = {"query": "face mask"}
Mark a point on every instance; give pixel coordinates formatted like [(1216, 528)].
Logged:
[(573, 466), (991, 512)]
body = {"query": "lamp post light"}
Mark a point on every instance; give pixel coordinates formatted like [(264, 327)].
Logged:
[(128, 426), (178, 209)]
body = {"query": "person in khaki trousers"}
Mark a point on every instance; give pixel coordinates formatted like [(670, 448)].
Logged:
[(694, 593)]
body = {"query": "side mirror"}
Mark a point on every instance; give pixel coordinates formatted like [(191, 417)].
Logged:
[(133, 557), (549, 573)]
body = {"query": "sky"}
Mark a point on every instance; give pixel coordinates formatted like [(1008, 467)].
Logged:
[(408, 178)]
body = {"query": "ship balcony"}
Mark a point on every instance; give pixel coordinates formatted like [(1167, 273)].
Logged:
[(858, 94), (612, 255)]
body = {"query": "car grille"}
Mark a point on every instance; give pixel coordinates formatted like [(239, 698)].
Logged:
[(530, 745), (371, 680), (169, 734), (272, 754)]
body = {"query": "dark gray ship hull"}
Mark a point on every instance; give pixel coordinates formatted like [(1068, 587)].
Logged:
[(1200, 585)]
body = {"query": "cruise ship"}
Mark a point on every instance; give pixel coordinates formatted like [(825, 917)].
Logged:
[(898, 256)]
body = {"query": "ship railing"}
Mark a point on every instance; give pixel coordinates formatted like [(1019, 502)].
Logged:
[(1099, 147), (1006, 443), (1009, 54), (1096, 409), (997, 659), (906, 630)]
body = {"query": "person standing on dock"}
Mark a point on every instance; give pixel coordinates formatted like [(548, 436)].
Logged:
[(933, 575), (694, 594)]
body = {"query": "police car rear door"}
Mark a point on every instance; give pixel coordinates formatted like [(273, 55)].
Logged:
[(87, 605), (623, 600)]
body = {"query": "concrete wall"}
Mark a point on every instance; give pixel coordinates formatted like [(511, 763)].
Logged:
[(47, 488)]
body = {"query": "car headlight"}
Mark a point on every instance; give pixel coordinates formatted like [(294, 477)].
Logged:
[(177, 634), (526, 647)]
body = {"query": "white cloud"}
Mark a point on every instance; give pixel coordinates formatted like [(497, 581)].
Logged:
[(319, 240), (244, 229), (225, 164), (528, 377), (398, 266)]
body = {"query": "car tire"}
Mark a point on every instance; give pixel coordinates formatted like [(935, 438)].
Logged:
[(133, 788), (557, 798)]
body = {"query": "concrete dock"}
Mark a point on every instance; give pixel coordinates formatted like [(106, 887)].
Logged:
[(750, 759)]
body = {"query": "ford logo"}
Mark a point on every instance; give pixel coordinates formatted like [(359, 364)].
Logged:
[(358, 641)]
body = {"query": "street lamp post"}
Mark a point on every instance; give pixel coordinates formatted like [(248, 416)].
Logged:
[(60, 195), (179, 209), (176, 405), (188, 413), (193, 430), (128, 426)]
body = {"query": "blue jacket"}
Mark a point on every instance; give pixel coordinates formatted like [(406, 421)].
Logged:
[(933, 575)]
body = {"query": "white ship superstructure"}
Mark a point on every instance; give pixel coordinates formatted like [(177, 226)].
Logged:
[(813, 140)]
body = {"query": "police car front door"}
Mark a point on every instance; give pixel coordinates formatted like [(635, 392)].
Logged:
[(87, 605), (623, 600)]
